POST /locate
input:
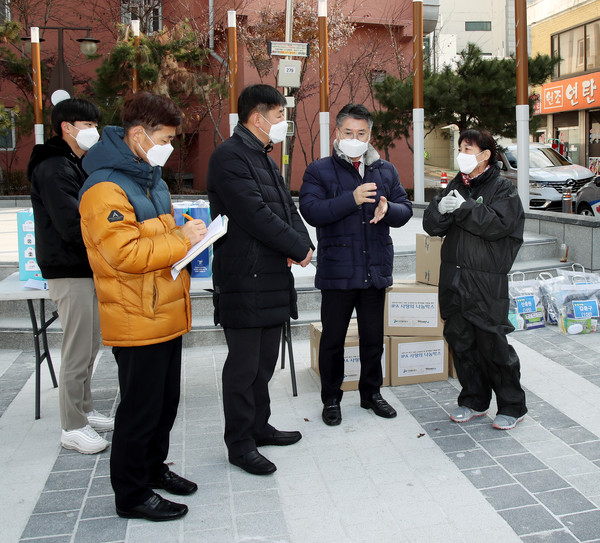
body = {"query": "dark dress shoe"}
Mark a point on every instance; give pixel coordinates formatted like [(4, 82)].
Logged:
[(379, 406), (253, 462), (174, 484), (279, 437), (332, 412), (155, 508)]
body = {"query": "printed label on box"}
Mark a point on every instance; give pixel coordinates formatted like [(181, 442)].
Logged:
[(422, 358), (413, 309)]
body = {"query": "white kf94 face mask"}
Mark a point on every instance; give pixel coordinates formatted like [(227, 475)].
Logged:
[(353, 148), (86, 137), (278, 131), (467, 163), (157, 154)]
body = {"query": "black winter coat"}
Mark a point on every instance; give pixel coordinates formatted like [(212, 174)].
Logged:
[(352, 252), (482, 241), (254, 287), (56, 175)]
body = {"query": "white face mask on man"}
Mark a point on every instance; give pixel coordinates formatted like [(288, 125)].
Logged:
[(353, 148), (157, 155), (86, 137), (467, 163), (277, 132)]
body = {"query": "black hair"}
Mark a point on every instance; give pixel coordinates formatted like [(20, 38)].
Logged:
[(261, 98), (483, 139), (150, 111), (72, 110), (354, 111)]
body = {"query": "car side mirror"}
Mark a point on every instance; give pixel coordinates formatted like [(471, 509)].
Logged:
[(597, 181), (501, 165)]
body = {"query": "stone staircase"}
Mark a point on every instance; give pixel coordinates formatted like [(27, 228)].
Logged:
[(538, 253)]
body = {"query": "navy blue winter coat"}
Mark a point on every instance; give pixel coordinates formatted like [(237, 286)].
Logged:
[(352, 253)]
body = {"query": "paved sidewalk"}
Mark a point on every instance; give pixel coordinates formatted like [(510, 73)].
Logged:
[(416, 478)]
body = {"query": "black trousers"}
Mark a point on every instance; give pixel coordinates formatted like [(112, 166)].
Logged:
[(247, 371), (336, 311), (149, 379), (485, 361)]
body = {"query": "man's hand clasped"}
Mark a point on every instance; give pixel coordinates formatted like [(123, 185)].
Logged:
[(194, 230), (366, 193), (304, 262)]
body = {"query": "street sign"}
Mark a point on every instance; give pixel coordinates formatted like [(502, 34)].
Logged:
[(288, 49)]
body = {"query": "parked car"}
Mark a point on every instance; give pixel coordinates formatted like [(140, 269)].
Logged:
[(550, 174), (587, 200)]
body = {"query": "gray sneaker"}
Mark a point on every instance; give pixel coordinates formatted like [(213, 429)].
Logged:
[(506, 422), (465, 414)]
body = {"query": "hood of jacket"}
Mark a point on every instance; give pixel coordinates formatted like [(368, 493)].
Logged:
[(55, 146), (112, 153), (370, 157)]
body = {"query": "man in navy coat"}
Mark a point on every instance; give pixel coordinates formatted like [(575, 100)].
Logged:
[(353, 198)]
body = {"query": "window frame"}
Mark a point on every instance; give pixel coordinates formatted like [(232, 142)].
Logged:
[(12, 131), (482, 23)]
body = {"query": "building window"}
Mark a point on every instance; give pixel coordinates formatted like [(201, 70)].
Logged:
[(484, 26), (578, 49), (4, 11), (149, 13), (7, 134), (592, 45)]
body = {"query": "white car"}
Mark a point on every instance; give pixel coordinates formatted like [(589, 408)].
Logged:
[(587, 200), (550, 174)]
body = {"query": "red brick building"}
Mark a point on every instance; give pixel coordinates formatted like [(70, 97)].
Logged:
[(376, 40)]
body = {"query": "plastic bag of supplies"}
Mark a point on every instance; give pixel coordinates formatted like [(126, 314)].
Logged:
[(526, 310)]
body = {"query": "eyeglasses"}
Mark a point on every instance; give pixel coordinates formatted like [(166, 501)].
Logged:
[(359, 135)]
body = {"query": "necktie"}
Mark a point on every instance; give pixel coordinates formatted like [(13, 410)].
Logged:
[(356, 165)]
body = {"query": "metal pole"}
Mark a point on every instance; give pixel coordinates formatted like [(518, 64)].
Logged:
[(135, 77), (323, 80), (37, 85), (285, 144), (233, 68), (418, 111), (522, 109), (61, 61)]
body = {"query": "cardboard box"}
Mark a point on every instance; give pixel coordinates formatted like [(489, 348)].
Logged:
[(428, 259), (412, 309), (451, 367), (417, 360), (28, 267), (351, 357)]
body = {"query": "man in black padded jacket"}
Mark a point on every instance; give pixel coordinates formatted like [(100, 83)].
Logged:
[(254, 287), (56, 176)]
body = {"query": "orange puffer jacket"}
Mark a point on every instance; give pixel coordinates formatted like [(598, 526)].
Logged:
[(138, 300)]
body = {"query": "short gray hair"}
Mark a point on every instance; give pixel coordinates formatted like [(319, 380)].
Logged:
[(354, 111)]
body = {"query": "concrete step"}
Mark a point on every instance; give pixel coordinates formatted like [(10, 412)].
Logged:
[(537, 254)]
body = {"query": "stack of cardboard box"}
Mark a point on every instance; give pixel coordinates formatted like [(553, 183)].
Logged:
[(414, 347)]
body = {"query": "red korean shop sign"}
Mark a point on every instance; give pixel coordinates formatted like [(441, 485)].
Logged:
[(581, 92)]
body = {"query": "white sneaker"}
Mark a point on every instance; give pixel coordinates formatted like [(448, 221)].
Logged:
[(99, 422), (84, 440)]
